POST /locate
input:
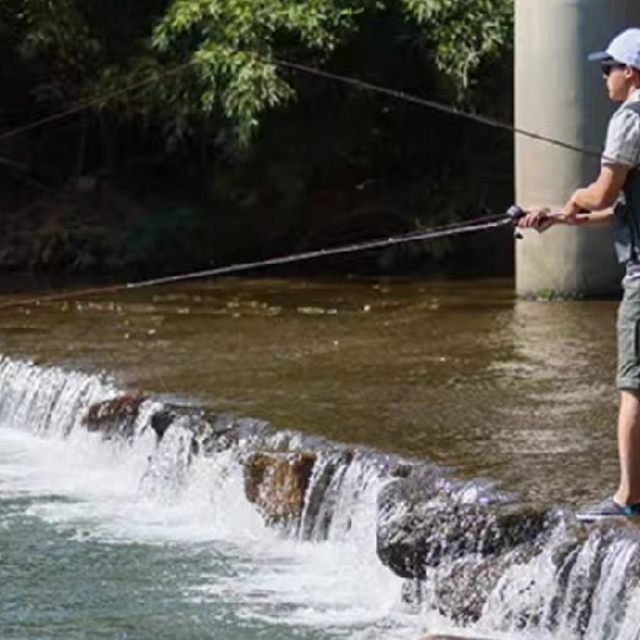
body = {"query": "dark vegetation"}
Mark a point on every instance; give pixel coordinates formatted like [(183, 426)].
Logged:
[(199, 149)]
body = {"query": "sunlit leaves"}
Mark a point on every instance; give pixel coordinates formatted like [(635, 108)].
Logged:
[(232, 43), (463, 33), (248, 86)]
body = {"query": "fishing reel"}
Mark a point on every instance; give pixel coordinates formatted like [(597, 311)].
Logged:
[(516, 213)]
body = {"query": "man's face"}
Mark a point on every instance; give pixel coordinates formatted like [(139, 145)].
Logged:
[(619, 78)]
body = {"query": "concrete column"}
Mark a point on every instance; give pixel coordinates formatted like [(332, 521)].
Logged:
[(559, 94)]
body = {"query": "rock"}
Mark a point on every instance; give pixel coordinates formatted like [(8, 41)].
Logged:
[(277, 483), (116, 416), (413, 535), (459, 590), (462, 588), (161, 420), (224, 431), (212, 434)]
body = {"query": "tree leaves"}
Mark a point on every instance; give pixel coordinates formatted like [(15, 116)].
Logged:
[(227, 50), (464, 33), (232, 43)]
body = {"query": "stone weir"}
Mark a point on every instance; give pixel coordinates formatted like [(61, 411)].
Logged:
[(479, 557)]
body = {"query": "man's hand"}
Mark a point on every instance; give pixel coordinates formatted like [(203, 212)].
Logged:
[(539, 218), (570, 211)]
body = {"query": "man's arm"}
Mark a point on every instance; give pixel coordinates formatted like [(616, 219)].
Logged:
[(594, 218), (542, 219), (592, 205), (601, 194)]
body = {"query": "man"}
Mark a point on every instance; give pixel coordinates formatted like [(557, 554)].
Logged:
[(614, 198)]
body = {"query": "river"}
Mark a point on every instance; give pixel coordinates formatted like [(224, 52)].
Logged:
[(512, 393)]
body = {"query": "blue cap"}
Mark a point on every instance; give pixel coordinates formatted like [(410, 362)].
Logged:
[(624, 49)]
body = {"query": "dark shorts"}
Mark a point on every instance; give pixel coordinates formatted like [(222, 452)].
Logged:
[(629, 336)]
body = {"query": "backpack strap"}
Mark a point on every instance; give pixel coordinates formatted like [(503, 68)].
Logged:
[(629, 214)]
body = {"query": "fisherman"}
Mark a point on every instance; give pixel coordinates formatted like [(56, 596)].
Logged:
[(614, 198)]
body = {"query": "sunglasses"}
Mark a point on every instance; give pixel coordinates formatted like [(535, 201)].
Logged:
[(608, 67)]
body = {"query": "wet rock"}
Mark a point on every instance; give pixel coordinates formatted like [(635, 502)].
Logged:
[(223, 432), (212, 434), (162, 420), (413, 593), (170, 414), (426, 528), (217, 435), (416, 485), (114, 417), (459, 590), (277, 483), (462, 588)]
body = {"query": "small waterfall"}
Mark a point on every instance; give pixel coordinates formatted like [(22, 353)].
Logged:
[(574, 588), (168, 468), (322, 495), (51, 399), (465, 552)]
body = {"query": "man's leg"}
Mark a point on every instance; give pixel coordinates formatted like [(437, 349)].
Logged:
[(626, 501), (629, 447), (628, 381)]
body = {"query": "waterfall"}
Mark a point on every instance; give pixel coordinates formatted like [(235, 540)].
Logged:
[(361, 522)]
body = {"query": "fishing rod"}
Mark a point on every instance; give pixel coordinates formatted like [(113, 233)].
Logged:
[(510, 217)]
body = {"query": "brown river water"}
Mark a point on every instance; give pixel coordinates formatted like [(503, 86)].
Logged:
[(458, 372)]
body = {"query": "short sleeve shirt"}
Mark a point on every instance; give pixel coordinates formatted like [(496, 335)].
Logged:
[(622, 145)]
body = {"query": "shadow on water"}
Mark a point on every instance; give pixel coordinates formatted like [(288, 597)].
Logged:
[(459, 372)]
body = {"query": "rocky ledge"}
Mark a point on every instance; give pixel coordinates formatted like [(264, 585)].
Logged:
[(456, 544)]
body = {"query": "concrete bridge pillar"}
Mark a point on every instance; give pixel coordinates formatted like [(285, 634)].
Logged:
[(559, 94)]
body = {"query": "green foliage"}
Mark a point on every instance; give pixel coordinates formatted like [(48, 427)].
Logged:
[(231, 44), (465, 33)]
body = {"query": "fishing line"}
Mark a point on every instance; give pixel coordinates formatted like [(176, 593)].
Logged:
[(295, 66), (438, 106), (94, 102), (480, 224)]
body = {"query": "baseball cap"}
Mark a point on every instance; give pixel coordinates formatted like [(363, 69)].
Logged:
[(624, 48)]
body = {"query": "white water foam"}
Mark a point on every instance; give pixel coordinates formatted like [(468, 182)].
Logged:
[(91, 489), (119, 492)]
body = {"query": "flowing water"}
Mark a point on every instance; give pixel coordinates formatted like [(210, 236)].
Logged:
[(131, 539)]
